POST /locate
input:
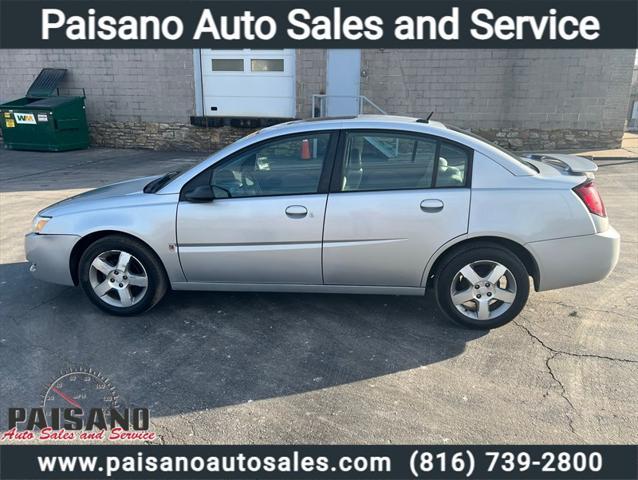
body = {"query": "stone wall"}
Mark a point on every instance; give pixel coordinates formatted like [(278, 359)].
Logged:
[(185, 137), (547, 140), (163, 136)]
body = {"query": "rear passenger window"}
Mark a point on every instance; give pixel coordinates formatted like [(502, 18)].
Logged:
[(453, 165), (389, 161)]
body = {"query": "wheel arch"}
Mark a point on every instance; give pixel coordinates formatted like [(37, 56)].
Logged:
[(85, 241), (524, 255)]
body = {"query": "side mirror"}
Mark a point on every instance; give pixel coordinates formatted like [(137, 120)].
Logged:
[(200, 194)]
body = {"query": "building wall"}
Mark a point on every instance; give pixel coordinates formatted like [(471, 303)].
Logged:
[(121, 85), (311, 78), (522, 98), (136, 98), (632, 123), (539, 99)]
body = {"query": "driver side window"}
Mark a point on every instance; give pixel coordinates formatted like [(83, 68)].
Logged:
[(289, 166)]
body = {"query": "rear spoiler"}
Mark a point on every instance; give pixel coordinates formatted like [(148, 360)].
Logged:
[(572, 164)]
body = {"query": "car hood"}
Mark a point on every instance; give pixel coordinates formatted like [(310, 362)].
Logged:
[(120, 189)]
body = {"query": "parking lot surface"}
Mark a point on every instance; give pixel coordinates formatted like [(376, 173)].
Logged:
[(303, 368)]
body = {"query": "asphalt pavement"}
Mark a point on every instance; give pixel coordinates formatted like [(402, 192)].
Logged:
[(306, 368)]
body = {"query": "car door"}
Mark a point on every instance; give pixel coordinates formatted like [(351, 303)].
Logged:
[(265, 223), (395, 199)]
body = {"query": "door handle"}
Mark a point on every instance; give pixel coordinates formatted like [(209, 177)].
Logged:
[(296, 211), (432, 205)]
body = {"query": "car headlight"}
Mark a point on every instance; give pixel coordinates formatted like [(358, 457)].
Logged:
[(39, 223)]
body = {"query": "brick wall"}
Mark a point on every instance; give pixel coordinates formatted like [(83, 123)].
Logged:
[(567, 98)]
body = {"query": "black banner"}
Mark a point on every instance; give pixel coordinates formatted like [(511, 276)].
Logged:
[(313, 461), (318, 24)]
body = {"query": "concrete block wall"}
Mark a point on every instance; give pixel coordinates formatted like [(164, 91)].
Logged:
[(568, 98), (311, 78), (121, 85), (632, 123)]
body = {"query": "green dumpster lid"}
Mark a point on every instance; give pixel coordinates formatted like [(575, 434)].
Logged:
[(50, 102), (46, 82)]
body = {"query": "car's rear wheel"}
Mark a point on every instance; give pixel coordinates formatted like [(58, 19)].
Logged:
[(121, 275), (482, 287)]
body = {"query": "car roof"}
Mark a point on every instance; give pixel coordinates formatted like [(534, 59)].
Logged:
[(354, 121)]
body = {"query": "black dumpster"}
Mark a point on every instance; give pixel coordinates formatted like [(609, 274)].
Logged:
[(44, 120)]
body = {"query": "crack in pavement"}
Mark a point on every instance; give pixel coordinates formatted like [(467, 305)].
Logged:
[(556, 352), (553, 354), (563, 390)]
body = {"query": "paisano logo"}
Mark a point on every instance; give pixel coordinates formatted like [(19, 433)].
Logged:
[(79, 404), (25, 118)]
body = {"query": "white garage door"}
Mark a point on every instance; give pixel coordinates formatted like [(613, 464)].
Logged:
[(248, 83)]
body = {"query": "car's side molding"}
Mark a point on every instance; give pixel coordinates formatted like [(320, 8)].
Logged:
[(297, 288)]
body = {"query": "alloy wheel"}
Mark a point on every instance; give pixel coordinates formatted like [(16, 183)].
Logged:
[(118, 278), (483, 290)]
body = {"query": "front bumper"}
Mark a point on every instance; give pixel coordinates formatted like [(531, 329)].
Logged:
[(566, 262), (49, 256)]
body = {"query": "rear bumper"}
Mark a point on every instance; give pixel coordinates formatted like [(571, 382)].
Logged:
[(566, 262), (49, 256)]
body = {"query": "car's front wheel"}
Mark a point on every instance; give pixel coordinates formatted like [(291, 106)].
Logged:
[(121, 275), (482, 287)]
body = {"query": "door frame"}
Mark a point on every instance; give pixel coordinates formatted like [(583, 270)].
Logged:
[(335, 177), (198, 82)]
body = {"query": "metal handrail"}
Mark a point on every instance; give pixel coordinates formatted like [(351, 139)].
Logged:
[(320, 100)]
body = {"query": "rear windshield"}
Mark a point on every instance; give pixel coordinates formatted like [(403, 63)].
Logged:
[(511, 155)]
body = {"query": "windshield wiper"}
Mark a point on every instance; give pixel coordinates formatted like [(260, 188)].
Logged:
[(158, 183)]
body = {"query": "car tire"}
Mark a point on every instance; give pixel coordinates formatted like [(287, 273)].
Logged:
[(469, 274), (121, 275)]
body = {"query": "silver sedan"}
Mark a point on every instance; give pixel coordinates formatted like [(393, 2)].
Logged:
[(367, 204)]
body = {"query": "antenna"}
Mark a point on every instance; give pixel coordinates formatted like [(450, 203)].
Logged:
[(427, 119)]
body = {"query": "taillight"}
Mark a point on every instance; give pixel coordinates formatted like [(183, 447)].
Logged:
[(591, 198)]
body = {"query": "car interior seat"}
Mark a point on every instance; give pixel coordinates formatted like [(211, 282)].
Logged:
[(448, 176)]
